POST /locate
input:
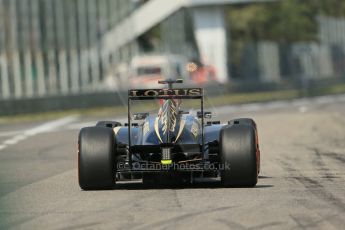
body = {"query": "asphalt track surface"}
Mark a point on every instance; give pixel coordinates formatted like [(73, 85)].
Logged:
[(301, 184)]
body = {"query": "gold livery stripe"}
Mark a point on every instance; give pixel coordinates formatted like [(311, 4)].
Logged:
[(116, 130), (157, 130), (182, 124)]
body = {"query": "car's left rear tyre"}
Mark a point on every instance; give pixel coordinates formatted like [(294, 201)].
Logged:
[(96, 158)]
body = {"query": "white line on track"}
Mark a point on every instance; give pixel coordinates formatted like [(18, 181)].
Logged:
[(10, 133), (302, 104), (46, 127), (77, 126)]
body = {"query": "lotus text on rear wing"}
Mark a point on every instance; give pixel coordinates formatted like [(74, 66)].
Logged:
[(190, 92)]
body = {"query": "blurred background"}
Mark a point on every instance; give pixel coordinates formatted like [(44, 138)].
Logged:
[(67, 54)]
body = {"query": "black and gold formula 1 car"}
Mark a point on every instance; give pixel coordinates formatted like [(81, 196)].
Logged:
[(171, 145)]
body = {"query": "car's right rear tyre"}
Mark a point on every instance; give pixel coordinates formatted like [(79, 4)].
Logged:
[(238, 156), (96, 158)]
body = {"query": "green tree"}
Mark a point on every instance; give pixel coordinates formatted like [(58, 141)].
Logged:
[(282, 21), (334, 8)]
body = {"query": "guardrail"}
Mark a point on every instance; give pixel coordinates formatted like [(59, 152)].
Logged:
[(109, 99)]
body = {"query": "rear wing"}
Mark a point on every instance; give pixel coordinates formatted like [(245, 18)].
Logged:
[(151, 94), (169, 93)]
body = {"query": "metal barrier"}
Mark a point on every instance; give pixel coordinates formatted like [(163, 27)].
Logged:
[(119, 98)]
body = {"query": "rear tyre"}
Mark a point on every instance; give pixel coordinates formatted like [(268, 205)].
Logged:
[(251, 122), (243, 121), (96, 158), (238, 151), (108, 124)]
